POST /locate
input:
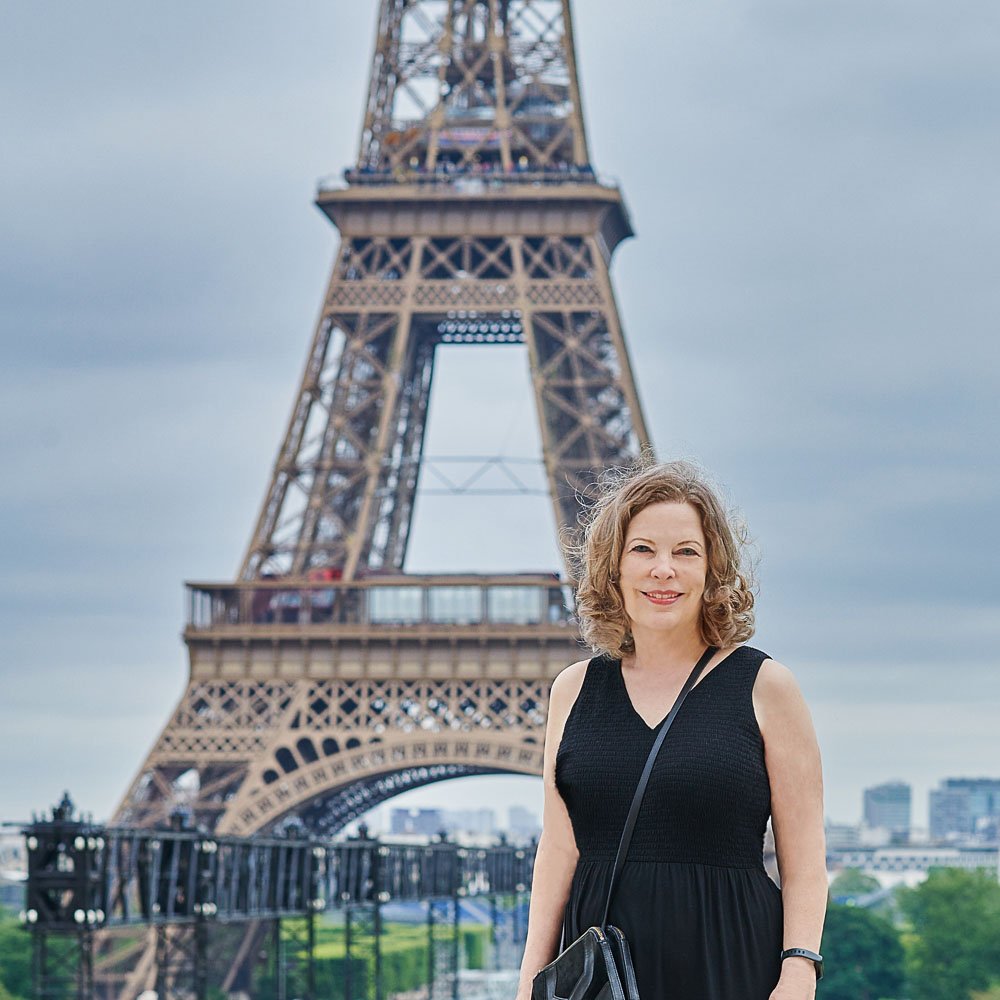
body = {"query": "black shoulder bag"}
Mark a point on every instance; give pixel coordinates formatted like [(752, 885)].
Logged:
[(598, 964)]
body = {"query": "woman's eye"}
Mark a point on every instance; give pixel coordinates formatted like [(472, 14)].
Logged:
[(637, 548), (689, 552)]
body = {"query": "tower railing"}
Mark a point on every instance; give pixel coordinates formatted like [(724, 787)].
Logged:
[(396, 600), (445, 174)]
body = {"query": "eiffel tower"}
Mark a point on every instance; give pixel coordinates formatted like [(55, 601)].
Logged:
[(325, 679)]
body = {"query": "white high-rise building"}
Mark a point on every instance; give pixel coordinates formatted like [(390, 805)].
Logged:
[(888, 806)]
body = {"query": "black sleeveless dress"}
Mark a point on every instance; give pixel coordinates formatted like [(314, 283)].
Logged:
[(702, 917)]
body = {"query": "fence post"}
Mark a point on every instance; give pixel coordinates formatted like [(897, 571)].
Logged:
[(311, 954), (348, 958)]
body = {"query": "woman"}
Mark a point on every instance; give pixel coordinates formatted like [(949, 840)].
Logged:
[(659, 580)]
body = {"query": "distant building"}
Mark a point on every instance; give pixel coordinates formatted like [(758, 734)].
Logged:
[(464, 825), (13, 870), (473, 822), (888, 806), (522, 824), (966, 808), (949, 814), (422, 822), (841, 836), (910, 865)]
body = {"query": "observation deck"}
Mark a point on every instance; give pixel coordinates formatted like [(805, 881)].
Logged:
[(440, 625), (491, 201)]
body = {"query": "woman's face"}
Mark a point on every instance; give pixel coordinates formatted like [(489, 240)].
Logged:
[(663, 568)]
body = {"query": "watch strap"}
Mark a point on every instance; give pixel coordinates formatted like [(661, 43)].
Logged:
[(813, 956)]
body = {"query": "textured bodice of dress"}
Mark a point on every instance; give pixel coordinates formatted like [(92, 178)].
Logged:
[(709, 798), (702, 916)]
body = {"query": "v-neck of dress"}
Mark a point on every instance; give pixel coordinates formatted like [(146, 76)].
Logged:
[(701, 680)]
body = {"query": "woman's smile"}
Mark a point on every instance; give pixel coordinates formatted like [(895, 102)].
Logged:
[(662, 598)]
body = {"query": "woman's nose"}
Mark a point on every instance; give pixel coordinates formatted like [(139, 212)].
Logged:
[(663, 568)]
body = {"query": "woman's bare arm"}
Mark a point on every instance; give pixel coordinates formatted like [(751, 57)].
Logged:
[(792, 757), (555, 857)]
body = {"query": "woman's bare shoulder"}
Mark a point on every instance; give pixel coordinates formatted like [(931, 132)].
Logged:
[(562, 697), (565, 690), (567, 685), (779, 703), (775, 681)]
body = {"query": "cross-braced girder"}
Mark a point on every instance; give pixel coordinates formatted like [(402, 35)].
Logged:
[(473, 84), (245, 755), (343, 489)]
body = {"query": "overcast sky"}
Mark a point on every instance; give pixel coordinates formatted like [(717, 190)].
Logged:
[(811, 308)]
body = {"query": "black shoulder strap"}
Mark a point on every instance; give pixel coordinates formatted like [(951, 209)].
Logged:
[(640, 790)]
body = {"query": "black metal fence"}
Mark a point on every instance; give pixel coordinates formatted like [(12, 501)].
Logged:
[(85, 879)]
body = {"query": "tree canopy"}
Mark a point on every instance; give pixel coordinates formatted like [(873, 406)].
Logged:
[(955, 918), (853, 882), (863, 956)]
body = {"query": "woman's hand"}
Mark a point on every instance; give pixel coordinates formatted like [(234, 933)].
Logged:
[(797, 981)]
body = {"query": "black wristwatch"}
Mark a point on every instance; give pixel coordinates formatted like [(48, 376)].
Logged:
[(813, 956)]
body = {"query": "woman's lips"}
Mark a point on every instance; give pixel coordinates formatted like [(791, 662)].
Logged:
[(662, 598)]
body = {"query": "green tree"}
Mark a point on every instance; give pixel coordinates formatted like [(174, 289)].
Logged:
[(853, 882), (863, 956), (15, 959), (955, 919)]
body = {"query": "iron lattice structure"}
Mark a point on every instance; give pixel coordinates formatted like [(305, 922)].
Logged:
[(456, 83), (473, 216), (326, 679)]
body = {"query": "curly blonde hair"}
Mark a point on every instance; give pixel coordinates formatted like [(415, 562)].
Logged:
[(595, 552)]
